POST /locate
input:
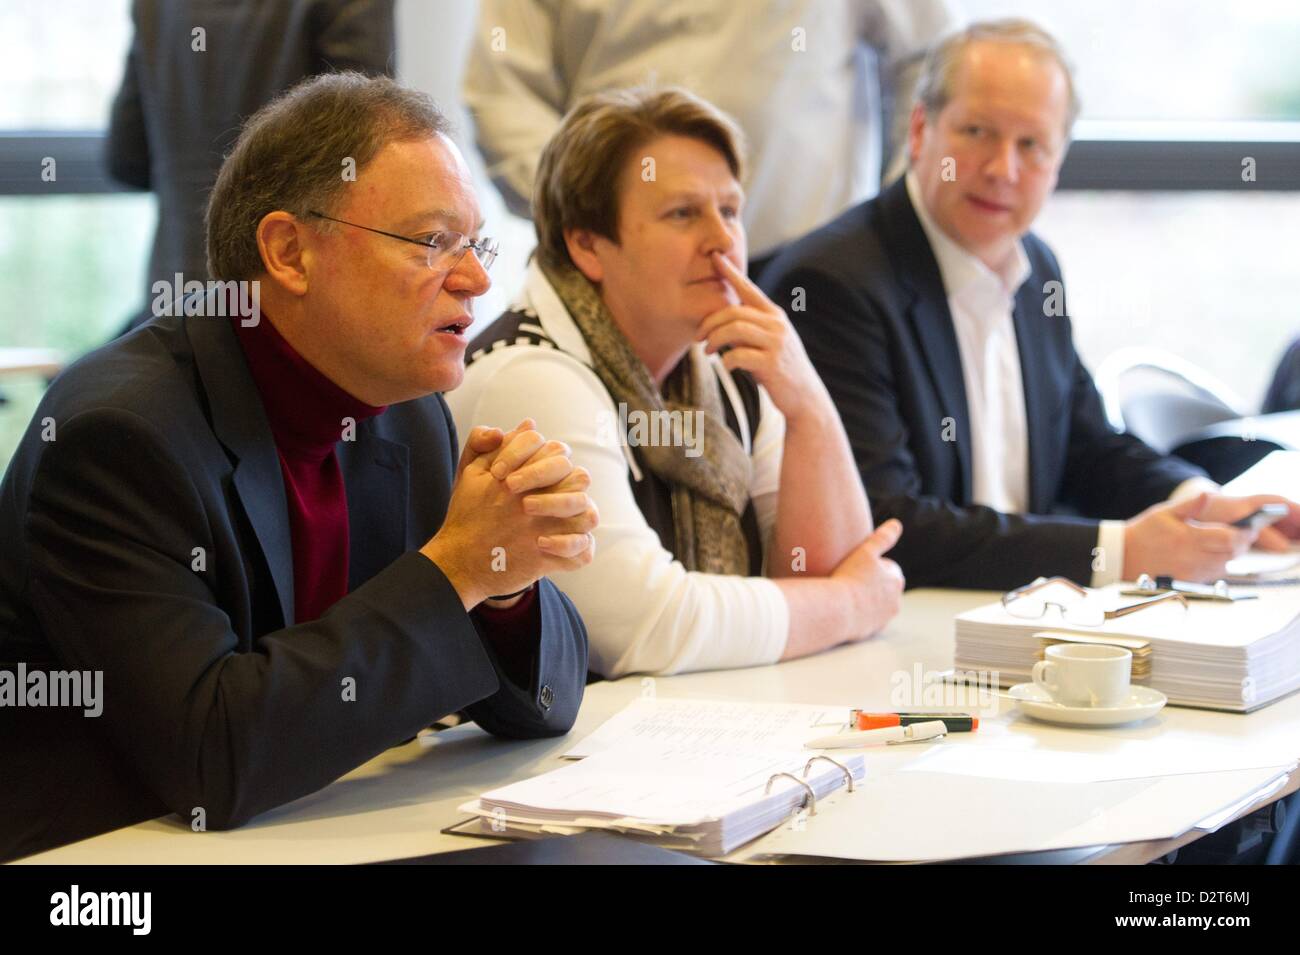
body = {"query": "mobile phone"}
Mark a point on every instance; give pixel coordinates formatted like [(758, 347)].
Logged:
[(1262, 518)]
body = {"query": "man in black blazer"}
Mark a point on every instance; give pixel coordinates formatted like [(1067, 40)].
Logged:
[(257, 610), (938, 323)]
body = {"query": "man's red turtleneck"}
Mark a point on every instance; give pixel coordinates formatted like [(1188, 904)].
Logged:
[(308, 414)]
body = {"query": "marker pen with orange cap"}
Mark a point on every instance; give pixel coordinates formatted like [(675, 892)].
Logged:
[(956, 722)]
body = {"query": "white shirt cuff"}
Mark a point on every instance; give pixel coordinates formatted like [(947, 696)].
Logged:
[(1108, 558), (1192, 487)]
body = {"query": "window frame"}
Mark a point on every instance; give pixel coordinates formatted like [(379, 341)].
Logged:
[(1122, 157)]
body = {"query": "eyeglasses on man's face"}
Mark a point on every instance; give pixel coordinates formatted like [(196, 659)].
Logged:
[(443, 250)]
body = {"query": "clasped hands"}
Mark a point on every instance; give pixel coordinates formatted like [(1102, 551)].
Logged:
[(518, 511)]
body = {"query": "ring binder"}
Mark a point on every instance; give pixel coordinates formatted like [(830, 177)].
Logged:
[(680, 787), (848, 776), (810, 801)]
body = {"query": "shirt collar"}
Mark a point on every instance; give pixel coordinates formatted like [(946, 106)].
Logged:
[(963, 271)]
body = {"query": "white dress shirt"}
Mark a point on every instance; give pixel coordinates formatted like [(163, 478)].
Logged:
[(981, 301)]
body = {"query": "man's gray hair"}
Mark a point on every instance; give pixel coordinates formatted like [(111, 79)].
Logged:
[(299, 152), (934, 88)]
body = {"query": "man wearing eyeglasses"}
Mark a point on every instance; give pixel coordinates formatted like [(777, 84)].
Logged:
[(255, 531), (938, 323)]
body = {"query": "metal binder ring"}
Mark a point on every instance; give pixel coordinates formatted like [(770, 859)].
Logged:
[(848, 776), (810, 801)]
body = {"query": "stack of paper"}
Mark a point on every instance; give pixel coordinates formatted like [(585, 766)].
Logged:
[(694, 770), (1259, 568), (1277, 473), (1141, 649), (1229, 656)]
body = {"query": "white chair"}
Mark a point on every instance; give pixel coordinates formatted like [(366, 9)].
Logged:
[(1162, 398)]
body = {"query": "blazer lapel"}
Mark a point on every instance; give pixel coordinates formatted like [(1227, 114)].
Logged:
[(377, 478), (239, 422), (1035, 365), (927, 308)]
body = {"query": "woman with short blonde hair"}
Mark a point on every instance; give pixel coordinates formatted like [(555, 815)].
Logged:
[(734, 529)]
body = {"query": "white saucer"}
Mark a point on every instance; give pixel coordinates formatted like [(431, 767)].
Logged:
[(1033, 700)]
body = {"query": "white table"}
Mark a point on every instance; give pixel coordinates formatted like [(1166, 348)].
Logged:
[(395, 805)]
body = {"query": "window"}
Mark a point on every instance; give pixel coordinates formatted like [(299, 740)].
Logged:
[(1172, 62), (62, 62), (1162, 238), (72, 262), (1209, 276)]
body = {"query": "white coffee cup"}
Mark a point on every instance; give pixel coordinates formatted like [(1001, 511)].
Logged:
[(1085, 674)]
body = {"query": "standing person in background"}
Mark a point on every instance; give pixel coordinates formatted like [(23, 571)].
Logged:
[(815, 84), (195, 71)]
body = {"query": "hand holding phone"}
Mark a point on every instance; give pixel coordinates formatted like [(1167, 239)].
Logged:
[(1261, 518)]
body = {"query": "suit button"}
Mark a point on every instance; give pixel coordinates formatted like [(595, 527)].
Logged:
[(548, 696)]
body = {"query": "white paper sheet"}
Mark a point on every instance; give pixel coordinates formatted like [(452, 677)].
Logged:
[(1113, 760), (1265, 564), (654, 782), (915, 816), (1276, 473), (1213, 822), (726, 723)]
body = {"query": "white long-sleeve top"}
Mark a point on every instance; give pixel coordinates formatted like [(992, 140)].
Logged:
[(645, 613)]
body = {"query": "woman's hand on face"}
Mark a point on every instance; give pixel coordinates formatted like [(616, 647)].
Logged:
[(760, 340)]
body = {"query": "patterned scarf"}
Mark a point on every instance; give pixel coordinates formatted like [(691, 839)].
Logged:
[(710, 491)]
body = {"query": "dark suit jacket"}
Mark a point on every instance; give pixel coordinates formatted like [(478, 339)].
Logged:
[(212, 696), (879, 332), (178, 110), (1284, 391)]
